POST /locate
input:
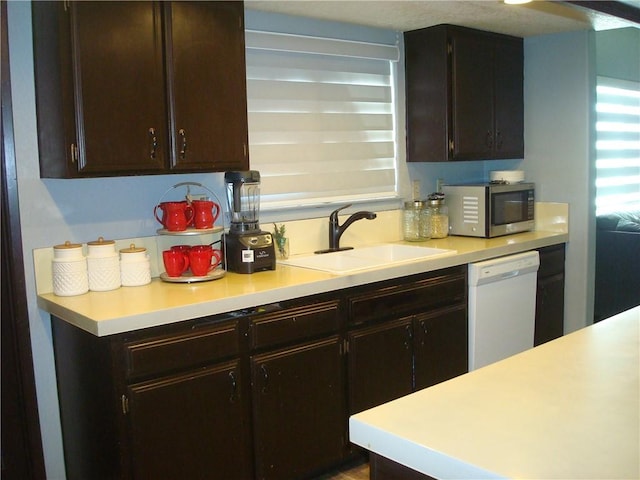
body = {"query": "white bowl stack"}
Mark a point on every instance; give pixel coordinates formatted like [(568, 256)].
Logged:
[(103, 265), (135, 267), (507, 176), (69, 269)]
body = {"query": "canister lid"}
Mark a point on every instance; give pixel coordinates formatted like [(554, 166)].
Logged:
[(67, 245), (436, 199), (414, 205), (133, 249), (101, 241)]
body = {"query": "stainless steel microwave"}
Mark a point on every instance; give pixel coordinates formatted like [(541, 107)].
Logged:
[(490, 209)]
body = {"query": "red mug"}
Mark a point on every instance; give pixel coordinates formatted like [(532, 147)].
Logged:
[(205, 213), (176, 216), (203, 259), (175, 262), (181, 248)]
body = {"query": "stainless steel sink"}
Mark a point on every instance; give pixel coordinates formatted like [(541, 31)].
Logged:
[(365, 258)]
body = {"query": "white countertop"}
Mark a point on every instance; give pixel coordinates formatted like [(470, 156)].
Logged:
[(159, 303), (568, 409)]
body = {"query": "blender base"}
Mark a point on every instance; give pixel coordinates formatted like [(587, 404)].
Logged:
[(249, 252)]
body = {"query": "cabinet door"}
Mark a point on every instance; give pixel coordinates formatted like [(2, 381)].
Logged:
[(207, 86), (118, 65), (472, 96), (509, 104), (428, 103), (441, 346), (380, 364), (192, 425), (299, 410), (550, 295), (549, 309)]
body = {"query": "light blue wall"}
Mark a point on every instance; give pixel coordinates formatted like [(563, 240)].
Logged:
[(618, 53), (559, 100), (458, 172)]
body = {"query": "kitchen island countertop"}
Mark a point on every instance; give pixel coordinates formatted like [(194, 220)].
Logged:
[(567, 409), (159, 303)]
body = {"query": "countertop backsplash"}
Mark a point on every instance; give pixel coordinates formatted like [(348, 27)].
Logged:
[(305, 236)]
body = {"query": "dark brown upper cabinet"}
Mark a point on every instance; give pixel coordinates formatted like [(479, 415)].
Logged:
[(134, 88), (464, 91)]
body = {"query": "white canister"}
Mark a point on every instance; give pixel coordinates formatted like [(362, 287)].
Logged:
[(68, 251), (135, 267), (103, 265), (69, 270), (101, 248)]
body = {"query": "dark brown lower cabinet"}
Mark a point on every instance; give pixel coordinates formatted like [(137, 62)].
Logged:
[(395, 358), (167, 402), (405, 336), (264, 395), (550, 295), (299, 409), (192, 425), (380, 363), (441, 340)]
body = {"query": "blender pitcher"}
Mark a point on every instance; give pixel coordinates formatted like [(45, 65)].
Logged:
[(243, 197)]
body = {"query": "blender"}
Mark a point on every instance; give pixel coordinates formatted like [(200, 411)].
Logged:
[(248, 249)]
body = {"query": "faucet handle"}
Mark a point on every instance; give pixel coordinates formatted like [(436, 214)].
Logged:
[(334, 214)]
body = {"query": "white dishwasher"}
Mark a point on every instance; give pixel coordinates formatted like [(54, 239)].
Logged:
[(502, 306)]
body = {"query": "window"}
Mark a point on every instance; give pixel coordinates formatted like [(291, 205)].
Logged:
[(321, 116), (617, 145)]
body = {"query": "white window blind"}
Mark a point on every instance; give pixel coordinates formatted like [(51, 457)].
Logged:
[(321, 116), (617, 145)]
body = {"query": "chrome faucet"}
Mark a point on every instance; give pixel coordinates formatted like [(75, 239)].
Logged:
[(336, 230)]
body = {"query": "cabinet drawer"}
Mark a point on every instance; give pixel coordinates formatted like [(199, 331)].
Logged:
[(294, 324), (179, 351), (551, 260), (434, 292)]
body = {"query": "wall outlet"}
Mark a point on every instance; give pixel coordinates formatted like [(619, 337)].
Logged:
[(439, 184), (416, 190)]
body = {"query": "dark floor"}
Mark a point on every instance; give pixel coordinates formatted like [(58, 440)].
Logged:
[(357, 470)]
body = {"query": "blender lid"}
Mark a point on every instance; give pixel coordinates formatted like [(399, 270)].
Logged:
[(248, 176)]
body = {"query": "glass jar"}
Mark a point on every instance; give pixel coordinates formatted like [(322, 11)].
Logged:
[(412, 215), (425, 222), (439, 218)]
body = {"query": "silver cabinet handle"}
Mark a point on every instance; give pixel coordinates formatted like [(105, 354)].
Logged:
[(154, 142), (183, 143), (265, 377), (234, 387), (409, 337), (489, 139)]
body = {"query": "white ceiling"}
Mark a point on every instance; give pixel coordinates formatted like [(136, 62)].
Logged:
[(535, 18)]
